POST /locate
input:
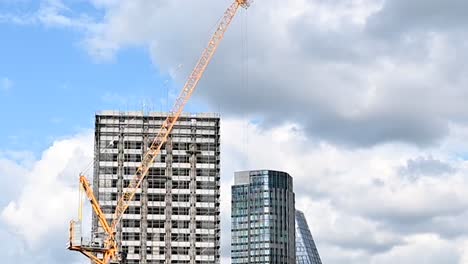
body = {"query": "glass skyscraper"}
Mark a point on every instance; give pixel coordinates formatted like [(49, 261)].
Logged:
[(306, 251), (263, 225)]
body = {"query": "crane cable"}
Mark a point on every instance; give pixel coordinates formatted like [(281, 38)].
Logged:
[(245, 77), (247, 65)]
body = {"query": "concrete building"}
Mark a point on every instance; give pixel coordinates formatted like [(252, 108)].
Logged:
[(174, 217), (263, 226), (306, 251)]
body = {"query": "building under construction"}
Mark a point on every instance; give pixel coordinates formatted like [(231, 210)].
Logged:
[(174, 217)]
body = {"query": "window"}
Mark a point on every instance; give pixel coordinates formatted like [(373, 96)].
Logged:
[(156, 210), (156, 183), (180, 211), (132, 158), (205, 224), (130, 223), (181, 197), (152, 197), (180, 159), (133, 210), (205, 198), (180, 224), (131, 236), (210, 185), (180, 184), (156, 224)]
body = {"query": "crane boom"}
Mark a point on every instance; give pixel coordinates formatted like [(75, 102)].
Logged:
[(110, 246), (94, 203), (175, 113)]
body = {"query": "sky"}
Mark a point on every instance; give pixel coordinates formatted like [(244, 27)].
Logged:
[(363, 102)]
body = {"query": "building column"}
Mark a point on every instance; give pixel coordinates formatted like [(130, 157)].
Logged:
[(120, 179), (168, 199), (193, 152), (144, 201)]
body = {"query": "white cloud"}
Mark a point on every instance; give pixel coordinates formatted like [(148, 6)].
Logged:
[(358, 205), (345, 74), (6, 84), (359, 208), (324, 75), (350, 72), (48, 197), (335, 79), (51, 13), (12, 166), (423, 248)]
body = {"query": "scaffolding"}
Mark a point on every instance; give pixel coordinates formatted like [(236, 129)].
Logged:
[(174, 217)]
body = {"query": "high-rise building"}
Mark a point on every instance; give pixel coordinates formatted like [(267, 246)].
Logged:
[(174, 217), (306, 251), (263, 229)]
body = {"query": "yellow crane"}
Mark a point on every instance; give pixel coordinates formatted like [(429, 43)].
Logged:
[(107, 252)]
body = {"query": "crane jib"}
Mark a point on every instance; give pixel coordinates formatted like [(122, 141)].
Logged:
[(109, 250)]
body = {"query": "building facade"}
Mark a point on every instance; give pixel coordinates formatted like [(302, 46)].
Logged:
[(174, 217), (262, 214), (306, 251)]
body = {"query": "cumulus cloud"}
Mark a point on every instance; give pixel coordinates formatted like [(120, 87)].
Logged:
[(50, 187), (426, 166), (359, 204), (362, 101), (51, 13), (399, 16), (358, 73), (331, 66), (12, 166), (42, 199), (416, 250)]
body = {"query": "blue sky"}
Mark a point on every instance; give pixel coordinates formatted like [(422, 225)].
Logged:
[(55, 86)]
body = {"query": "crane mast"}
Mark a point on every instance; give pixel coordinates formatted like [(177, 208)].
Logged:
[(109, 250)]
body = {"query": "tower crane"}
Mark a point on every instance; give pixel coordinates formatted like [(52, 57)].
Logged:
[(107, 252)]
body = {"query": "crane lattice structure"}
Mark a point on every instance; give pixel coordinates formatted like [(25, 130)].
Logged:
[(109, 249)]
